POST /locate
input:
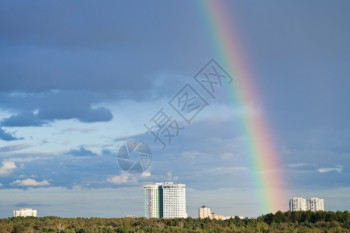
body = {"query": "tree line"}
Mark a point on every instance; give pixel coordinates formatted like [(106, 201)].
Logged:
[(299, 221)]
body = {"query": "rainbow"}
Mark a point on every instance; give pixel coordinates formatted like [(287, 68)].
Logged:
[(263, 158)]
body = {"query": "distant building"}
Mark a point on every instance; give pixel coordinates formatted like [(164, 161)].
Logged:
[(315, 204), (217, 216), (204, 212), (165, 200), (297, 204), (153, 200), (25, 212)]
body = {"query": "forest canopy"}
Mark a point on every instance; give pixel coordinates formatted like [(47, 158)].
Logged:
[(299, 221)]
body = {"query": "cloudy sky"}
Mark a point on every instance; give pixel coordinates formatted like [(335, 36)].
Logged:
[(80, 78)]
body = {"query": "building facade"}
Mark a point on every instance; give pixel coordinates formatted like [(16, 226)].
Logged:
[(204, 212), (217, 216), (297, 204), (174, 200), (315, 204), (153, 200), (312, 204), (25, 212), (165, 200)]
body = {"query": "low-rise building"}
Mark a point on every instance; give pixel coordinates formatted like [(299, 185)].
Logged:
[(204, 212), (25, 212), (217, 216), (315, 204), (297, 204)]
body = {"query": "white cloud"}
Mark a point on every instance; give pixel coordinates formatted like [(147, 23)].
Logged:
[(122, 179), (7, 167), (146, 174), (227, 170), (30, 182), (171, 177), (224, 111), (13, 148), (21, 160), (292, 165), (227, 155), (194, 156), (329, 169)]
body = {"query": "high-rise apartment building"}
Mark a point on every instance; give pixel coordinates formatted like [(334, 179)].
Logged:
[(24, 212), (174, 200), (165, 200), (153, 200), (315, 204), (204, 212), (312, 204), (297, 204)]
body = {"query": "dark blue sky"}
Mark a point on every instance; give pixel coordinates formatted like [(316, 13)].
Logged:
[(77, 78)]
